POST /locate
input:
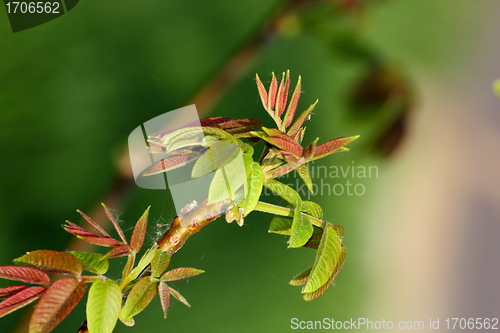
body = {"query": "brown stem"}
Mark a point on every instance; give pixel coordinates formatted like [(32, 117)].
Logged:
[(190, 223)]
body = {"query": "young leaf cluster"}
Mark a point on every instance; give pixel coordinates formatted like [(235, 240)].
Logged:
[(216, 145), (109, 300)]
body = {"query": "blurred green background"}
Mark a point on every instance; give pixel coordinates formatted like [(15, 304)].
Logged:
[(73, 89)]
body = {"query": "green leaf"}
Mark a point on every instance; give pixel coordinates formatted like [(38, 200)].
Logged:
[(180, 273), (303, 172), (141, 294), (301, 278), (281, 225), (284, 191), (160, 262), (145, 260), (227, 180), (178, 296), (103, 306), (92, 262), (219, 154), (247, 161), (188, 138), (254, 187), (313, 209), (301, 231), (56, 303), (326, 261), (137, 239), (52, 262), (165, 140), (318, 292)]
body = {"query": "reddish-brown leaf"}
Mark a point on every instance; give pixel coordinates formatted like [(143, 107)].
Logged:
[(24, 274), (54, 262), (297, 124), (239, 127), (283, 93), (95, 225), (214, 121), (207, 122), (164, 292), (57, 302), (310, 150), (137, 239), (88, 236), (292, 106), (332, 146), (20, 299), (273, 132), (273, 89), (170, 163), (300, 135), (283, 170), (292, 147), (115, 224), (119, 251), (180, 273), (9, 291), (262, 91)]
